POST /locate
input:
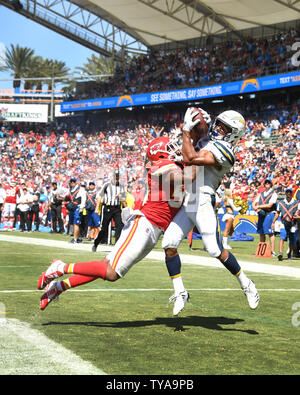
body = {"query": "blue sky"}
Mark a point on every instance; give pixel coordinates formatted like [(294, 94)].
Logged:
[(16, 29)]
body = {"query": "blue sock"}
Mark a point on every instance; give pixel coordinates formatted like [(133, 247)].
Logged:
[(232, 264), (174, 266)]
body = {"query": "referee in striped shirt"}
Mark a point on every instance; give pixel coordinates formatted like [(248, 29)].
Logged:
[(112, 195)]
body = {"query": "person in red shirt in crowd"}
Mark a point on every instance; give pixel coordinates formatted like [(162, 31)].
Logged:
[(244, 189), (10, 203)]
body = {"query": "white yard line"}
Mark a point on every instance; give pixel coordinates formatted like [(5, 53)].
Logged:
[(26, 351), (15, 291), (265, 268)]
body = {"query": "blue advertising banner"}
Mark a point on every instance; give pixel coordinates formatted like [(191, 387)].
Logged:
[(250, 85)]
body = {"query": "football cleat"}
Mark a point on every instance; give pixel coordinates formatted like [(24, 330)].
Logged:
[(51, 294), (55, 270), (179, 301), (252, 295)]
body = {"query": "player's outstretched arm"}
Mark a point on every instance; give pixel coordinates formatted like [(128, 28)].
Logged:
[(191, 157)]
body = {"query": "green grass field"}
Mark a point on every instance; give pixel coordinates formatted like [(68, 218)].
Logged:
[(127, 328)]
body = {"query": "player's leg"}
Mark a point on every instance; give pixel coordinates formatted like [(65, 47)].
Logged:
[(175, 233), (206, 222), (137, 239), (135, 242), (131, 246), (84, 272), (55, 288)]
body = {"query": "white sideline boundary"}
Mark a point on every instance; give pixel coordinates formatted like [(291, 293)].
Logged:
[(264, 268), (26, 351)]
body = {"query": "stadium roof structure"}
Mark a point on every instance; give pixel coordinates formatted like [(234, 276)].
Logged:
[(136, 26)]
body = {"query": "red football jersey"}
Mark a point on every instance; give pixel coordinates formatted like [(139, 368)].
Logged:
[(163, 200), (11, 194)]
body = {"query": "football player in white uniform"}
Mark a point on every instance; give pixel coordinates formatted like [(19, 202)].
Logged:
[(212, 161)]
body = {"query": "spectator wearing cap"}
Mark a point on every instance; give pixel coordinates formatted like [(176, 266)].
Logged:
[(93, 217), (56, 198), (76, 203), (265, 206), (286, 209), (34, 211), (112, 195)]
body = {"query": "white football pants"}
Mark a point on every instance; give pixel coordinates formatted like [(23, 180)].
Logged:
[(202, 215), (137, 239)]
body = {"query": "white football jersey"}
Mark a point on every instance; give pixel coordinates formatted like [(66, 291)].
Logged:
[(208, 178)]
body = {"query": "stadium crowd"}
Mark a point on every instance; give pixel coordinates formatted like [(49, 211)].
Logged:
[(92, 149), (36, 159), (187, 68)]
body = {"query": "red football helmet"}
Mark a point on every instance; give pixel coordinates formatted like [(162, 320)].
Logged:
[(163, 148)]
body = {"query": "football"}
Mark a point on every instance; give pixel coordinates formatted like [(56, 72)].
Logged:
[(202, 127)]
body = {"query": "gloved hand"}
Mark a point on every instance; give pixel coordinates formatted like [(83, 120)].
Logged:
[(189, 123), (206, 116)]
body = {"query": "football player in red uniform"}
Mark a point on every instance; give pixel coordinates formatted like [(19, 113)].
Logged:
[(142, 228), (9, 204)]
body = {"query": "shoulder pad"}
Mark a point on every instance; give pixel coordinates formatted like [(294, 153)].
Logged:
[(225, 150)]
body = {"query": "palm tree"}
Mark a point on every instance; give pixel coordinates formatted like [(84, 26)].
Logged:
[(17, 60), (97, 65), (55, 69), (35, 70)]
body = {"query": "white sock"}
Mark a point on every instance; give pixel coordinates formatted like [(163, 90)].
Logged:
[(225, 238), (243, 279), (178, 285)]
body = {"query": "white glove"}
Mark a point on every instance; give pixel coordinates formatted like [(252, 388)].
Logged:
[(206, 116), (188, 122)]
